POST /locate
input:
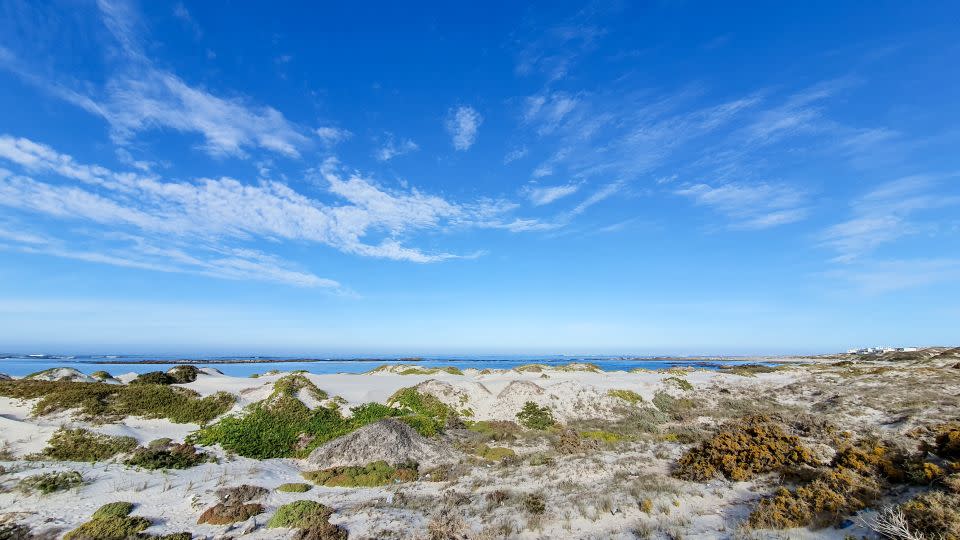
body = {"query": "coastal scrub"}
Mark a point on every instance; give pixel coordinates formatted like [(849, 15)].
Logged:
[(83, 445)]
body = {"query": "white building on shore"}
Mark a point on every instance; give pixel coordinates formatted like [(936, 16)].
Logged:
[(876, 350)]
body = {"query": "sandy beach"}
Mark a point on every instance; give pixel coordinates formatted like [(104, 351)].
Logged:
[(601, 455)]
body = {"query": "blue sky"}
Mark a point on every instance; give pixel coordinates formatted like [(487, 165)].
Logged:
[(626, 178)]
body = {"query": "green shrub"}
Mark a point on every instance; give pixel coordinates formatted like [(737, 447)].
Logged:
[(539, 459), (110, 529), (290, 386), (173, 456), (417, 370), (423, 412), (748, 370), (50, 482), (531, 368), (629, 396), (294, 487), (82, 445), (183, 374), (602, 436), (179, 405), (743, 449), (114, 510), (532, 416), (300, 515), (677, 408), (412, 402), (682, 384), (369, 413), (282, 428), (101, 375), (496, 430), (494, 453), (378, 473), (113, 522), (153, 377), (101, 402)]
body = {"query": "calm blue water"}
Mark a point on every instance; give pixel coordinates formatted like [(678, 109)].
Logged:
[(125, 364)]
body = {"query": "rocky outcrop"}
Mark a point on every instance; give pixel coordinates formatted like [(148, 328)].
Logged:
[(387, 440)]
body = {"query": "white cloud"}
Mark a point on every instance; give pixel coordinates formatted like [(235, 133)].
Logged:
[(154, 98), (216, 214), (801, 113), (393, 148), (331, 136), (547, 111), (137, 252), (885, 214), (540, 196), (515, 154), (463, 124), (554, 52), (181, 12), (140, 97), (878, 277), (602, 194), (751, 206)]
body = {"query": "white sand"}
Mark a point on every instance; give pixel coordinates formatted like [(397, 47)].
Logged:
[(174, 499)]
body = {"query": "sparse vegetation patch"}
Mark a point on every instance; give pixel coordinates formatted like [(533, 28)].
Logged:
[(51, 482), (102, 402), (294, 487), (82, 445), (629, 396), (167, 456), (532, 416), (682, 384), (153, 377), (378, 473)]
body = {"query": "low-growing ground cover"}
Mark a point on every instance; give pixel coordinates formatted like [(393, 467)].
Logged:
[(378, 473), (294, 487), (113, 521), (311, 518), (83, 445), (50, 482), (167, 456), (102, 402)]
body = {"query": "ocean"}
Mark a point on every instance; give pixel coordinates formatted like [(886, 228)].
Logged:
[(246, 366)]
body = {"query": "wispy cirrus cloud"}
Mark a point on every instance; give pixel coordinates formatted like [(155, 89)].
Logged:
[(884, 276), (750, 206), (140, 97), (888, 212), (557, 49), (547, 111), (181, 12), (541, 195), (332, 135), (463, 124), (393, 147), (515, 154)]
